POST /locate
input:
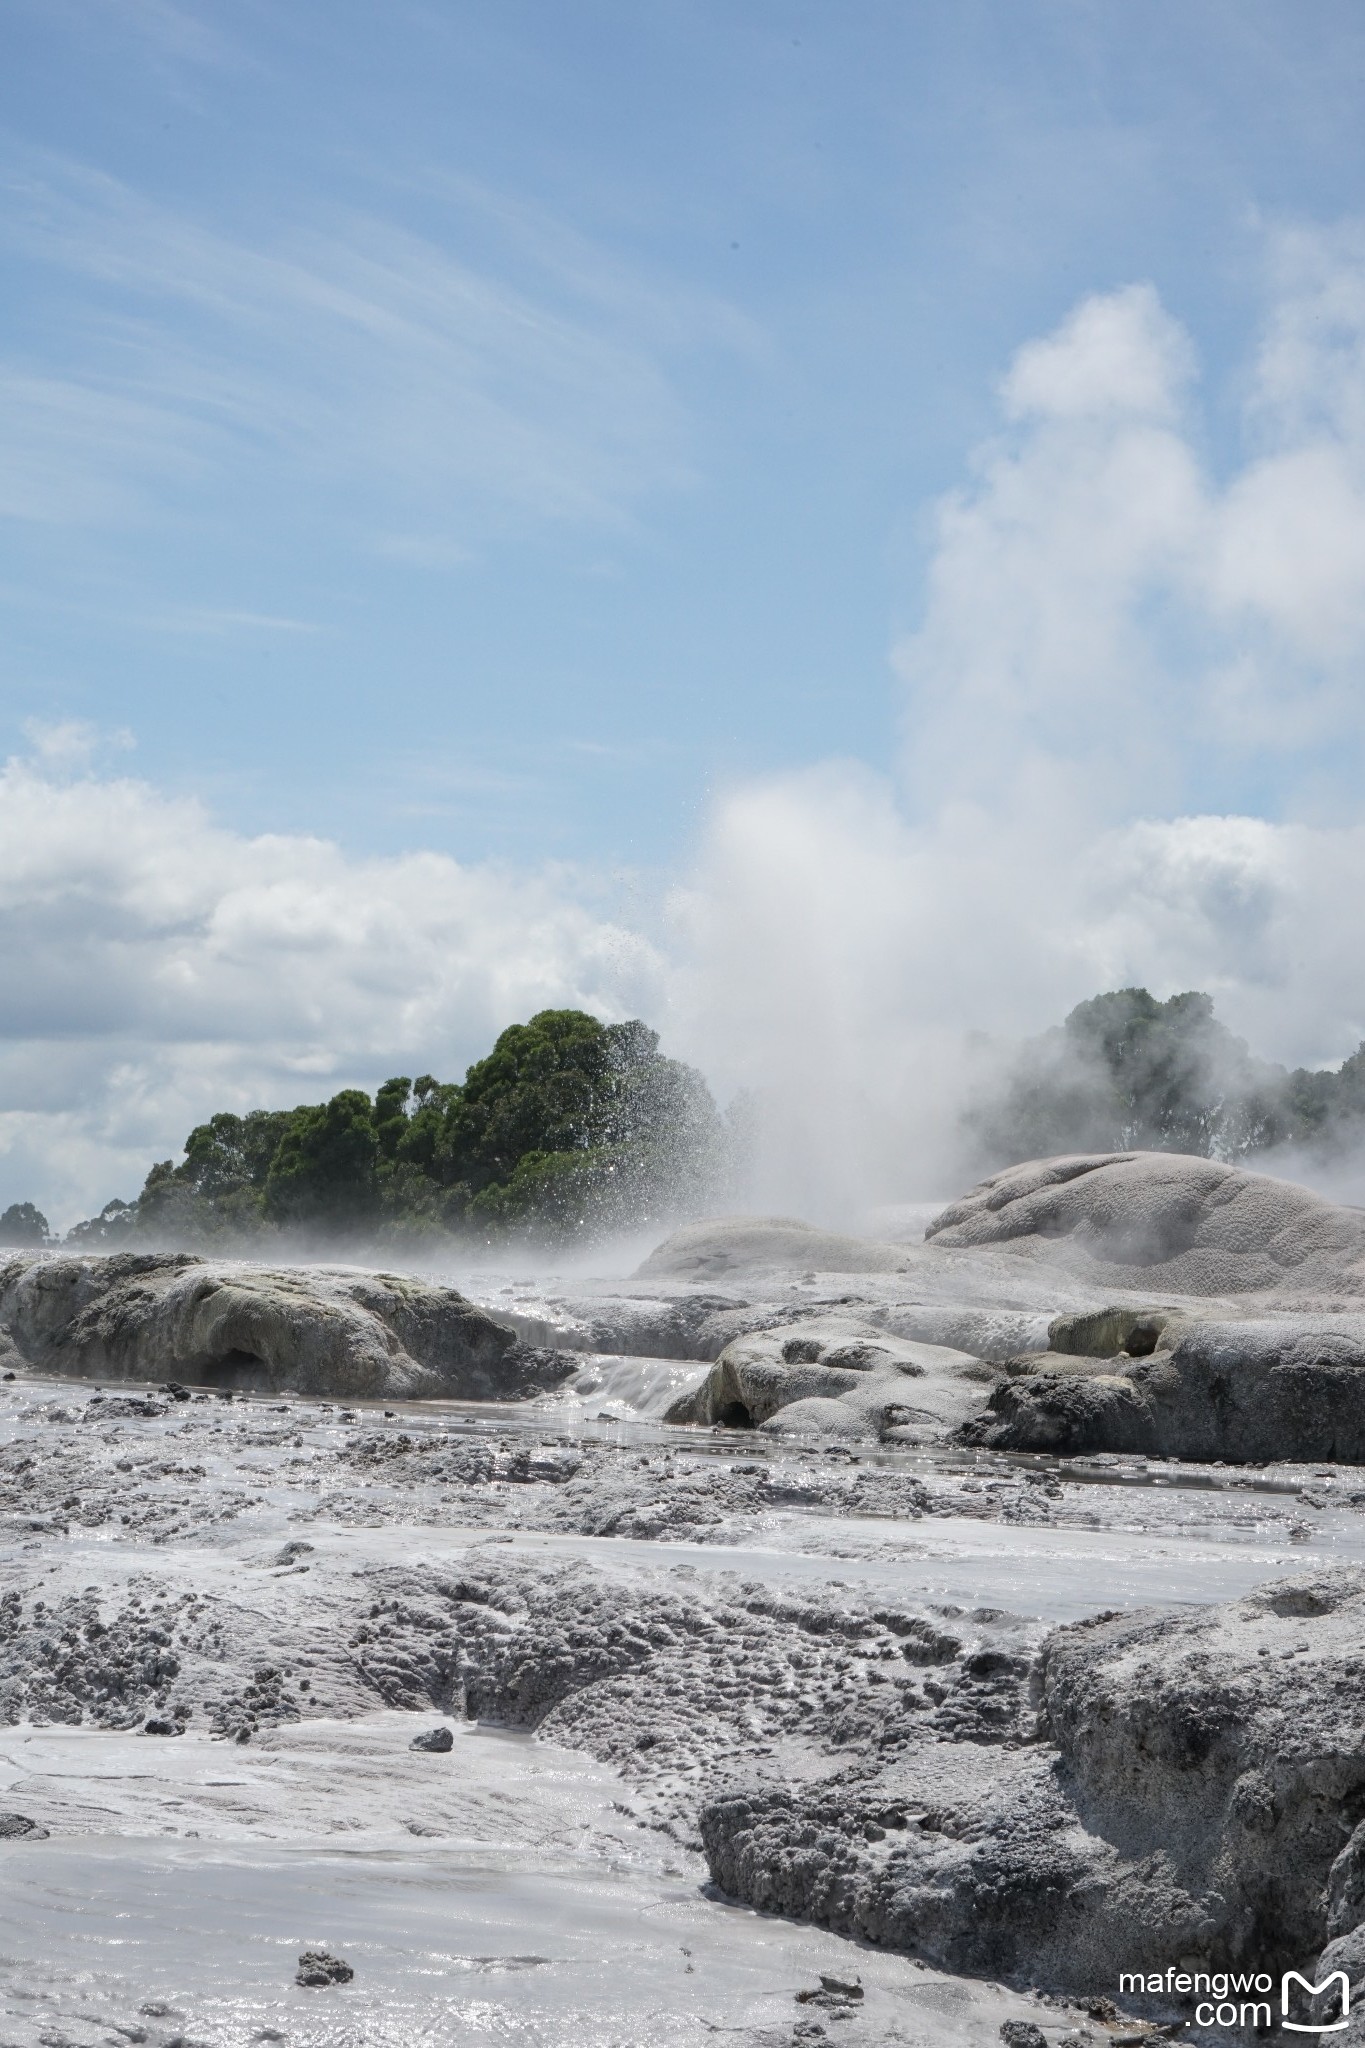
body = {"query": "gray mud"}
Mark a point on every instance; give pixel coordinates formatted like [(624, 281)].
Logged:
[(225, 1621), (553, 1719)]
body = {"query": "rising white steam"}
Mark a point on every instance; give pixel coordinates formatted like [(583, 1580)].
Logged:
[(1114, 633), (1108, 628)]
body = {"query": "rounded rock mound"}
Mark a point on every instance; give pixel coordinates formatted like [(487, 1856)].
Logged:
[(721, 1245), (1189, 1225), (322, 1330), (837, 1376)]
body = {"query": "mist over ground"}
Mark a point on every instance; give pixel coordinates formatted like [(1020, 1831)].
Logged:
[(1114, 632)]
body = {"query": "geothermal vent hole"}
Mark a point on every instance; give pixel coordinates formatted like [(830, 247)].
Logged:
[(234, 1369), (734, 1415)]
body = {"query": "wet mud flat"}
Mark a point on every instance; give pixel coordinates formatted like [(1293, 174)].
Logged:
[(662, 1656)]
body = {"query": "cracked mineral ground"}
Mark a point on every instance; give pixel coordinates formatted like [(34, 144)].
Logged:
[(549, 1720)]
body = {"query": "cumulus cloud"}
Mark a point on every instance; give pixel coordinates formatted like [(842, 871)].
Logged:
[(163, 966), (1118, 355), (1106, 618), (1105, 621), (1098, 597)]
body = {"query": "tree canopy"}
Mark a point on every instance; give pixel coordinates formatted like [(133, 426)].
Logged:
[(567, 1125), (23, 1226), (1126, 1072)]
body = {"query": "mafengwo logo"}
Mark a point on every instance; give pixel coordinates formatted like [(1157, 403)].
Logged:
[(1244, 1999), (1336, 1990)]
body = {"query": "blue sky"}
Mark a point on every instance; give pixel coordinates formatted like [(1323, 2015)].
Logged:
[(736, 511), (490, 426)]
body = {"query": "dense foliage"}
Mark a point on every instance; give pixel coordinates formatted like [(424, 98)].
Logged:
[(567, 1126), (1126, 1072), (23, 1225), (570, 1126)]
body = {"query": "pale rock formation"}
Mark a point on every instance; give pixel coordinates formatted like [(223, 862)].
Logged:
[(724, 1245), (838, 1376), (314, 1330), (1193, 1798), (1164, 1221)]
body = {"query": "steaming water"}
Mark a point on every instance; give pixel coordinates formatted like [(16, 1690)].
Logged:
[(628, 1389), (541, 1920)]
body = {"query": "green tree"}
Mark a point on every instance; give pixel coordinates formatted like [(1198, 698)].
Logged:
[(568, 1124), (392, 1116), (543, 1088), (575, 1124), (114, 1227), (219, 1188), (23, 1225), (325, 1170), (427, 1111), (230, 1154), (1128, 1072)]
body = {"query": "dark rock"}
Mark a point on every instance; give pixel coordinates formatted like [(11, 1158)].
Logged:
[(157, 1725), (1189, 1796), (17, 1827), (437, 1740), (317, 1967), (113, 1671), (1022, 2034), (1290, 1386), (122, 1408), (835, 1995)]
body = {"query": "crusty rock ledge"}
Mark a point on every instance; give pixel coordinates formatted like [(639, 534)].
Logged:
[(1245, 1392), (1195, 1796), (315, 1330)]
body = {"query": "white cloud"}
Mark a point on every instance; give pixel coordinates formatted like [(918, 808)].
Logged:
[(1101, 612), (1117, 355), (1103, 617), (1309, 377), (162, 967), (74, 449), (68, 745), (1098, 597)]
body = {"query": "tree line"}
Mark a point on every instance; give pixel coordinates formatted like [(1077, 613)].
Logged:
[(1126, 1072), (571, 1127), (568, 1127)]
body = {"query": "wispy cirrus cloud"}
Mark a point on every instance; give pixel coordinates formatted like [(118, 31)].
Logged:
[(532, 373), (78, 450)]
